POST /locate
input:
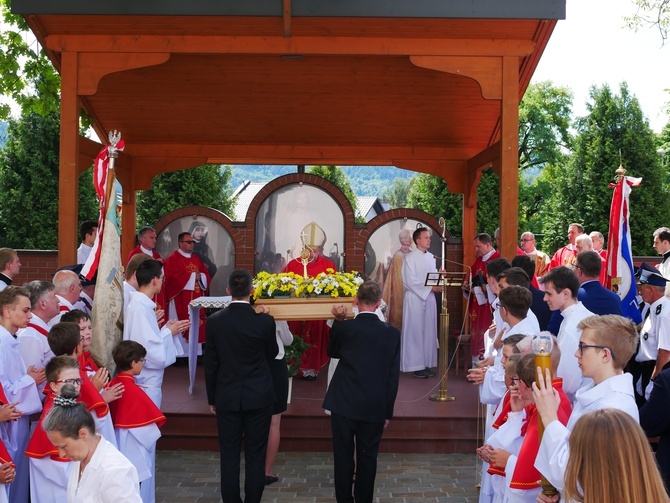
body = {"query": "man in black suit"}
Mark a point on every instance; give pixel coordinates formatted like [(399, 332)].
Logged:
[(362, 392), (595, 297), (239, 387)]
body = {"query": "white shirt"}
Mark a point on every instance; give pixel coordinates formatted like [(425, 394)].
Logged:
[(108, 478), (655, 332), (613, 393), (127, 290), (568, 342), (62, 302), (34, 346), (141, 326), (82, 253), (284, 338)]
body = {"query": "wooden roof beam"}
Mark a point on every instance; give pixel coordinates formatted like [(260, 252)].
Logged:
[(484, 158), (296, 45), (300, 154)]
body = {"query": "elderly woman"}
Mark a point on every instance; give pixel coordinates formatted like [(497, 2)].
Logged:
[(100, 473)]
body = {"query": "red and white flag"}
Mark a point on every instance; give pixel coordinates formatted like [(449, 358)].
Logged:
[(619, 254)]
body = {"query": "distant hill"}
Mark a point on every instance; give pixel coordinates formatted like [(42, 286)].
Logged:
[(364, 180)]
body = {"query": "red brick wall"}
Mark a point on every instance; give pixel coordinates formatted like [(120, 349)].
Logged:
[(36, 264)]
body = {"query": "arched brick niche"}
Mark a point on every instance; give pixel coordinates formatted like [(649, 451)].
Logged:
[(246, 259), (453, 251), (191, 211)]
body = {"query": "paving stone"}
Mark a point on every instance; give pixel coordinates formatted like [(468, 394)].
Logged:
[(305, 477)]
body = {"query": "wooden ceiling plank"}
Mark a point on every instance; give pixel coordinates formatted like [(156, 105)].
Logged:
[(198, 44)]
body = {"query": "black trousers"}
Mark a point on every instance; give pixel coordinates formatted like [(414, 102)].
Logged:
[(253, 426), (366, 436)]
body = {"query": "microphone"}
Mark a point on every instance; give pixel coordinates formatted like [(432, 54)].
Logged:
[(444, 259)]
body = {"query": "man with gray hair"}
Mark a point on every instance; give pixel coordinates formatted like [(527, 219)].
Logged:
[(9, 267), (584, 243), (67, 286), (540, 259), (598, 243), (147, 244), (33, 344)]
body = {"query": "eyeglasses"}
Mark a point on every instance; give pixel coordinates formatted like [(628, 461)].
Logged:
[(514, 380), (582, 346), (75, 382), (187, 242), (143, 360)]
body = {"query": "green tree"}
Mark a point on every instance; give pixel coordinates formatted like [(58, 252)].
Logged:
[(430, 193), (26, 73), (544, 139), (397, 194), (651, 13), (615, 123), (29, 184), (336, 176), (202, 186), (544, 125)]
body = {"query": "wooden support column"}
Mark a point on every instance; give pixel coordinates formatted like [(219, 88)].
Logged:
[(128, 217), (470, 216), (68, 179), (509, 167)]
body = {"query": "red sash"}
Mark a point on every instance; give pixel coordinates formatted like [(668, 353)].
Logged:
[(41, 330), (63, 309), (506, 409), (4, 455), (39, 445), (525, 474), (3, 397), (134, 409)]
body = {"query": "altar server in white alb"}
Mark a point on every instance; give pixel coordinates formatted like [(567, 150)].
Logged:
[(418, 346), (20, 385), (141, 326)]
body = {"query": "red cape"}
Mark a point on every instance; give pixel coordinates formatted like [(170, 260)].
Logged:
[(563, 256), (525, 475), (315, 333), (39, 445), (86, 362), (178, 271), (90, 396), (134, 408)]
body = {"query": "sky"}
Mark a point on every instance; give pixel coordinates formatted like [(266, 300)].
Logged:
[(592, 46)]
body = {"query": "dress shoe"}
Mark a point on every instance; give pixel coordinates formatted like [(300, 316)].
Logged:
[(429, 372), (421, 374), (270, 479)]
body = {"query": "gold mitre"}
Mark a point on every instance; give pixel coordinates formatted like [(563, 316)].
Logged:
[(313, 235)]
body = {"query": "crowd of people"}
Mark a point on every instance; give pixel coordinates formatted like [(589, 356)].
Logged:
[(608, 382), (71, 431)]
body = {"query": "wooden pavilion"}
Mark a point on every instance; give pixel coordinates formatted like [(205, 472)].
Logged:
[(428, 85)]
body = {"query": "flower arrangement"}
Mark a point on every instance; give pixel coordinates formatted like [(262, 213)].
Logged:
[(330, 283)]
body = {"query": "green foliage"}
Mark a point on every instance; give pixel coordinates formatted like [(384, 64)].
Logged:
[(337, 177), (89, 209), (202, 186), (397, 194), (26, 73), (29, 184), (651, 13), (293, 354), (430, 193), (544, 123), (581, 192)]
